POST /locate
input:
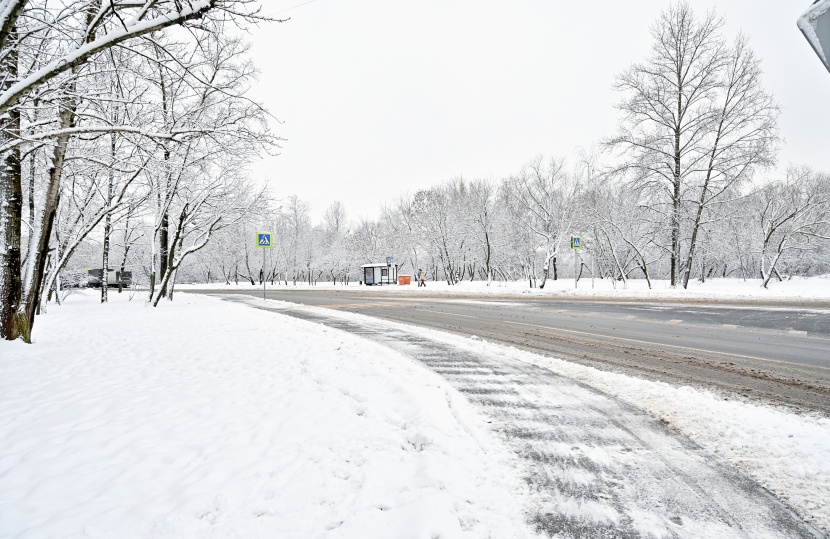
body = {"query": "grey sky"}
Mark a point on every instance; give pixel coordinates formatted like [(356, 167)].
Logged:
[(379, 98)]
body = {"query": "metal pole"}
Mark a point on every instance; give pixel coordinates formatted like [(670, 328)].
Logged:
[(592, 270), (576, 277), (263, 274)]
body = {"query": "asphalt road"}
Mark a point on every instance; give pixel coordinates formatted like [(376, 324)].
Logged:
[(594, 466), (774, 354)]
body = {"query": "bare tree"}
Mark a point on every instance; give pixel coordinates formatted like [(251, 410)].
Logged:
[(485, 213), (216, 198), (791, 215), (667, 112), (743, 135), (443, 226), (334, 231), (623, 231), (546, 193)]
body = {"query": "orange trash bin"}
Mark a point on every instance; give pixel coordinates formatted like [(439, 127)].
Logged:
[(404, 279)]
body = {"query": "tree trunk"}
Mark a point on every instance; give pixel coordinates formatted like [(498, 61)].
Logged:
[(777, 275), (165, 206), (152, 284), (488, 253), (37, 259), (701, 204), (675, 213), (172, 285), (32, 175), (545, 270), (108, 226), (644, 268), (52, 199), (12, 324), (164, 249), (57, 286), (123, 265), (11, 211)]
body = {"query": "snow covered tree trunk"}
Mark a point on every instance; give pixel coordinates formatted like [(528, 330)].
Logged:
[(12, 324), (488, 255), (695, 231), (127, 245), (153, 259), (164, 238), (767, 275), (644, 269), (32, 175), (123, 266), (546, 268), (108, 226), (170, 264), (57, 288), (172, 284), (676, 209), (37, 258)]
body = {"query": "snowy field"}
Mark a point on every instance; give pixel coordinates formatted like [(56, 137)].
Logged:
[(795, 289), (206, 419)]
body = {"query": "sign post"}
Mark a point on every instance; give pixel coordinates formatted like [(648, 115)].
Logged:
[(576, 246), (263, 241), (388, 270), (815, 25)]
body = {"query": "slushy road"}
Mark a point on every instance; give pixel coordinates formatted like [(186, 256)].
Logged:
[(777, 354)]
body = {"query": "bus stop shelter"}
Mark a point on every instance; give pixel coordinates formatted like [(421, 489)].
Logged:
[(378, 274)]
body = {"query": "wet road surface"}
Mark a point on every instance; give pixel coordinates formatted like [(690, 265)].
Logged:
[(778, 355)]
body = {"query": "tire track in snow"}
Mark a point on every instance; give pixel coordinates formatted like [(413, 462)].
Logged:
[(595, 466)]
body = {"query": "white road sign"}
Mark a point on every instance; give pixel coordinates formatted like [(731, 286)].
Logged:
[(815, 25)]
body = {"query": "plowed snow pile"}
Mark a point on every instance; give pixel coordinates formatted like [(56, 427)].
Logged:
[(205, 419), (808, 289)]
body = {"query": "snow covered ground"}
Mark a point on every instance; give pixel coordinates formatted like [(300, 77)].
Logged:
[(798, 289), (207, 419), (204, 418), (788, 453)]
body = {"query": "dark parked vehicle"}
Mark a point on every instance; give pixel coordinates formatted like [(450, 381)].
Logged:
[(95, 277)]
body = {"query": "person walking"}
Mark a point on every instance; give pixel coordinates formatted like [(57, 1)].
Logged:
[(422, 276)]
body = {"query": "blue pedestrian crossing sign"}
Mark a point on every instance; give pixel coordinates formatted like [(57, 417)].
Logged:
[(263, 240), (576, 243)]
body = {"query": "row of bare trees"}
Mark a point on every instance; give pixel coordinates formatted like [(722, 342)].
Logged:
[(686, 188), (519, 228), (123, 118)]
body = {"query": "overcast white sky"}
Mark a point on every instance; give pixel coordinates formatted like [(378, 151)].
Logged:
[(383, 97)]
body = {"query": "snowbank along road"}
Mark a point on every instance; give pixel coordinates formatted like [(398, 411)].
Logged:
[(779, 355), (596, 467)]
